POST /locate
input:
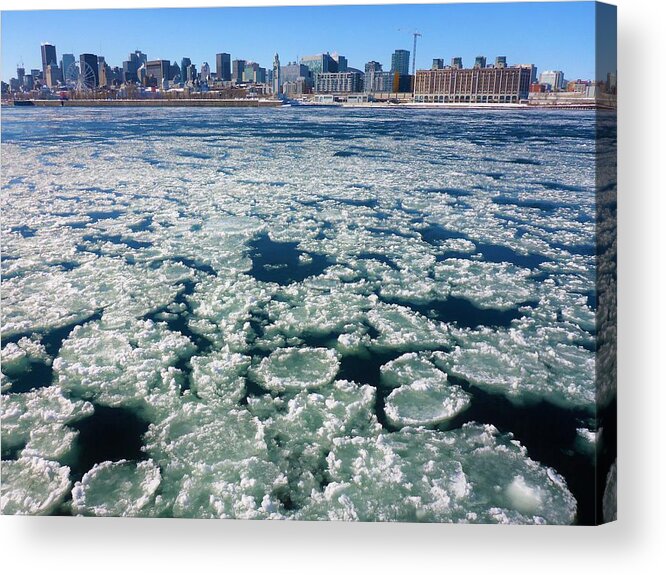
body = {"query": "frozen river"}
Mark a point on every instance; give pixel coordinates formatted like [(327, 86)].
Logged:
[(299, 313)]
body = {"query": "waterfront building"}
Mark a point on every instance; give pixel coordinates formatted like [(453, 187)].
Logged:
[(373, 70), (157, 69), (475, 85), (49, 57), (480, 62), (400, 62), (456, 63), (277, 86), (554, 79), (533, 77), (89, 70), (338, 82), (223, 67), (437, 64), (297, 87)]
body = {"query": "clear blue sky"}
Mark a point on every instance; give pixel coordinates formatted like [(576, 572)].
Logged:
[(550, 35)]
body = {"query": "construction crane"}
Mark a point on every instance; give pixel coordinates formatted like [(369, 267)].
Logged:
[(416, 35)]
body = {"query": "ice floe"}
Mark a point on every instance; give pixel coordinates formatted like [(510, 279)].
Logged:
[(423, 403), (297, 368), (119, 488), (33, 486)]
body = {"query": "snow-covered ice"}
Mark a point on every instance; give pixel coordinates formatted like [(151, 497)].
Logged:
[(221, 282)]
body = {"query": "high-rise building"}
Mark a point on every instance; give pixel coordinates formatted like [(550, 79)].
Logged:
[(174, 71), (204, 73), (191, 73), (341, 62), (104, 79), (292, 71), (237, 69), (480, 62), (184, 63), (49, 57), (277, 86), (456, 63), (554, 79), (89, 70), (372, 71), (437, 64), (68, 67), (140, 57), (500, 62), (320, 64), (400, 62), (254, 73), (223, 67), (52, 76), (338, 82), (159, 70), (20, 76)]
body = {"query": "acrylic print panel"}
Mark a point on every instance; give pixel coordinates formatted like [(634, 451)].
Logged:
[(375, 283)]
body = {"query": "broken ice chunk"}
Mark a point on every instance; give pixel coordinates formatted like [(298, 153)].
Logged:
[(298, 368), (33, 486), (425, 403), (119, 488)]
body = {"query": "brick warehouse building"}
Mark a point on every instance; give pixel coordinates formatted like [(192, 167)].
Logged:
[(496, 85)]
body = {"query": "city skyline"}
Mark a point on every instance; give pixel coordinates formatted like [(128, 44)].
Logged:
[(447, 30)]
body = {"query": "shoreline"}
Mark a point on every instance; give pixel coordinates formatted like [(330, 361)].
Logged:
[(213, 103)]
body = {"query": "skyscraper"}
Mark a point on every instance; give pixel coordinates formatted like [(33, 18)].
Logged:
[(52, 76), (204, 74), (49, 57), (341, 62), (500, 62), (480, 62), (184, 63), (456, 63), (553, 78), (159, 70), (400, 62), (437, 64), (238, 67), (276, 75), (191, 73), (223, 66), (89, 70), (69, 73), (320, 64)]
